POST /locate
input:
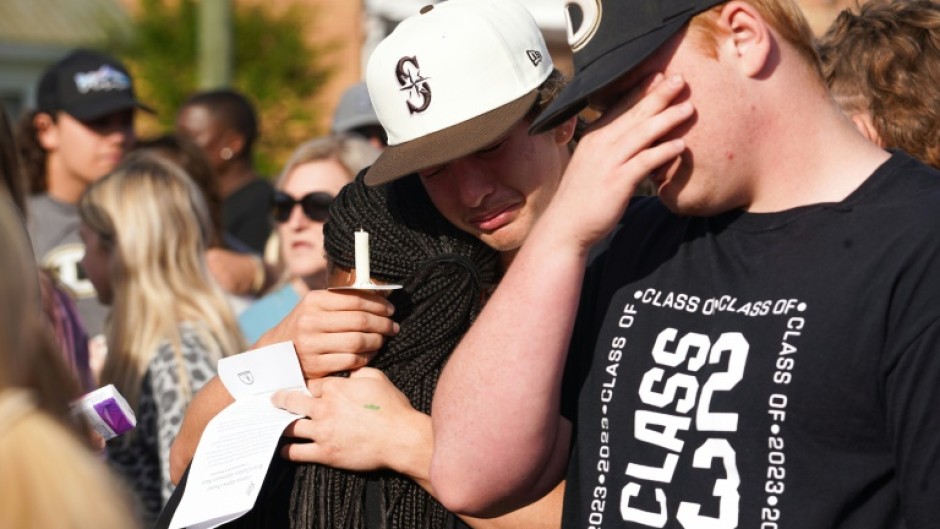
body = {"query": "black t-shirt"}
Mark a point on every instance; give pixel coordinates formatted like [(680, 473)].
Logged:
[(245, 214), (776, 370)]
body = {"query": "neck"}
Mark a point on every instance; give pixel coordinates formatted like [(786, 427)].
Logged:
[(234, 176), (817, 155), (63, 185)]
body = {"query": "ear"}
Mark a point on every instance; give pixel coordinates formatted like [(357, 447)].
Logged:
[(47, 131), (864, 124), (565, 132), (234, 141), (749, 41)]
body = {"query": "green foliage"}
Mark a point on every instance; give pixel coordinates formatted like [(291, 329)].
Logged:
[(273, 64)]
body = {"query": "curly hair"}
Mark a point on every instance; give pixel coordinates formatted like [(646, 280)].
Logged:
[(884, 59)]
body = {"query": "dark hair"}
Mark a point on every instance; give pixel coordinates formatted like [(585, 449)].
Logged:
[(187, 154), (445, 273), (550, 88), (32, 153), (11, 169), (233, 110)]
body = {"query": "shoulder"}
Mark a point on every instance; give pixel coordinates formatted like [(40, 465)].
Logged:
[(267, 311), (43, 203), (284, 298), (194, 345), (44, 214), (901, 182), (257, 189), (196, 356)]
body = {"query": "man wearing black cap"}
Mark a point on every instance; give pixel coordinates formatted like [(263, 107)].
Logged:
[(757, 346), (81, 128)]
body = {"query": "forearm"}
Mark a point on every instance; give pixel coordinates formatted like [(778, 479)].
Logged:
[(411, 455), (495, 443), (206, 404), (413, 459)]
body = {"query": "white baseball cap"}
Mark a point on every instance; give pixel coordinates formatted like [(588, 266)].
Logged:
[(453, 79)]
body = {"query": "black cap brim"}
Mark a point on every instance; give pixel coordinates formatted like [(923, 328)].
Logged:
[(604, 70), (105, 107)]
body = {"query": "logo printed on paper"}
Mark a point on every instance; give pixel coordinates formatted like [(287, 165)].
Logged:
[(101, 80), (246, 377), (535, 56), (588, 13), (409, 77)]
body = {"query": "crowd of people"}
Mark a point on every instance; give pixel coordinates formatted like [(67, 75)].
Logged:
[(707, 302)]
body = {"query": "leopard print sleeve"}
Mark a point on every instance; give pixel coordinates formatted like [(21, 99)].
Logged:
[(169, 398)]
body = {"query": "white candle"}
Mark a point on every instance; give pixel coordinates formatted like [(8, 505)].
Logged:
[(362, 258)]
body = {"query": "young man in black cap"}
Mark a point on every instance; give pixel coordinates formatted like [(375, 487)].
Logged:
[(757, 347), (82, 126)]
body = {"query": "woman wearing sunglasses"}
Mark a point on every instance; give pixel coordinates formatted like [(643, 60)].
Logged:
[(313, 175)]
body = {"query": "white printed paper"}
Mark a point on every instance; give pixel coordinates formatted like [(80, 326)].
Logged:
[(236, 448)]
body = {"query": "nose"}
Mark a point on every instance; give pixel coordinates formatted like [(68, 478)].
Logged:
[(118, 128), (298, 220), (474, 181)]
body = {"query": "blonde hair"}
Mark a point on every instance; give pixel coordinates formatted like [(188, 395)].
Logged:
[(154, 220), (49, 478), (784, 16), (352, 152)]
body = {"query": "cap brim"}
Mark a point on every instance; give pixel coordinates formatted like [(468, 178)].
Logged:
[(448, 144), (93, 112), (603, 71), (355, 122)]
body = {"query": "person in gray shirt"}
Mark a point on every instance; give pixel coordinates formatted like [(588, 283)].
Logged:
[(79, 131)]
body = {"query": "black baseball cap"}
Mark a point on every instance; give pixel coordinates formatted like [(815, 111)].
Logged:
[(87, 85), (609, 38)]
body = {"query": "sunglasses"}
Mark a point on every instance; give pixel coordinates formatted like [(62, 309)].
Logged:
[(316, 205)]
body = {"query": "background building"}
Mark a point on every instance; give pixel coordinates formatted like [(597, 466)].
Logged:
[(34, 33)]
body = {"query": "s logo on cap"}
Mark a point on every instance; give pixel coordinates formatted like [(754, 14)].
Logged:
[(409, 77), (586, 15)]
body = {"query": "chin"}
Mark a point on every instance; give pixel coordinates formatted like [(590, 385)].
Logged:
[(501, 243)]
